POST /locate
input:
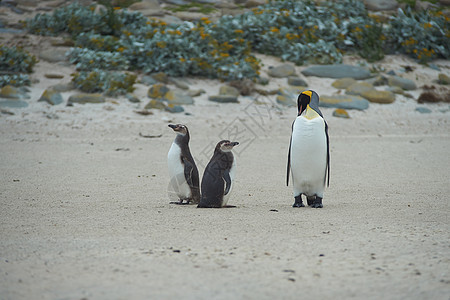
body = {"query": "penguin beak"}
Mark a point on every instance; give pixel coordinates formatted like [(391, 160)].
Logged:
[(172, 126), (232, 144)]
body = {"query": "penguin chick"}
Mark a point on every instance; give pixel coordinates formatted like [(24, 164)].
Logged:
[(217, 181), (183, 172), (309, 152)]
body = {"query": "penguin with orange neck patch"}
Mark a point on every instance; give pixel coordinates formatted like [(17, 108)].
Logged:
[(309, 152)]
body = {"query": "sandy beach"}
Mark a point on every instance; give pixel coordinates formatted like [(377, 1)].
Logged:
[(86, 215)]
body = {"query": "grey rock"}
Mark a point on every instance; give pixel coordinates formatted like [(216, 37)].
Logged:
[(443, 78), (434, 67), (226, 90), (180, 83), (263, 80), (391, 72), (358, 88), (84, 98), (157, 91), (223, 99), (377, 80), (343, 83), (156, 104), (337, 71), (423, 110), (63, 87), (54, 55), (344, 101), (178, 98), (51, 96), (296, 81), (132, 98), (381, 4), (148, 80), (404, 83), (174, 108), (13, 103), (196, 93), (11, 92), (395, 90), (284, 70), (285, 100)]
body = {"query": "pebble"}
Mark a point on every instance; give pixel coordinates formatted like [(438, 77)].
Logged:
[(423, 110), (341, 113), (404, 83), (296, 81), (54, 76), (226, 90), (223, 99), (174, 108), (83, 98)]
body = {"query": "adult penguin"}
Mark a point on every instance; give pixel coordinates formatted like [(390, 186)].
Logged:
[(183, 172), (309, 152), (218, 177)]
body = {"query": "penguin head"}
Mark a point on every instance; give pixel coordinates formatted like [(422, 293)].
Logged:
[(179, 129), (306, 98), (226, 145)]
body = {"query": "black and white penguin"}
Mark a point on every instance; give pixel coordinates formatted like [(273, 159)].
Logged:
[(218, 177), (183, 172), (309, 152)]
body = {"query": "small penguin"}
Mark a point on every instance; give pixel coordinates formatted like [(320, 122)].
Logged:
[(309, 152), (183, 172), (218, 177)]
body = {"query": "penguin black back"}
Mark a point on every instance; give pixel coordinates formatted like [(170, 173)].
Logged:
[(218, 176)]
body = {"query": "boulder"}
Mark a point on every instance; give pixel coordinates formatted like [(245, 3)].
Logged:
[(156, 104), (178, 98), (223, 99), (337, 71), (157, 91), (83, 98), (344, 101), (174, 108), (358, 88), (375, 96), (51, 96), (343, 83), (404, 83), (12, 92), (282, 71)]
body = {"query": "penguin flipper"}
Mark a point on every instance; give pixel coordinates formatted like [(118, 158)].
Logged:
[(189, 168), (328, 154), (289, 157), (226, 177)]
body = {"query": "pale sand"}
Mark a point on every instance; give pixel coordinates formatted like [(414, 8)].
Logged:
[(80, 220)]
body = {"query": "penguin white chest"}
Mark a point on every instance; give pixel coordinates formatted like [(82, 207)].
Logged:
[(308, 156), (176, 172)]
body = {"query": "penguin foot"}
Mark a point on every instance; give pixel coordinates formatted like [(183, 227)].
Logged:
[(298, 201), (310, 200), (317, 203), (181, 202)]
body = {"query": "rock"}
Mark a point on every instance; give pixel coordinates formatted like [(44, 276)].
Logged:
[(434, 67), (285, 100), (13, 103), (226, 90), (223, 99), (54, 55), (254, 3), (381, 4), (148, 80), (423, 110), (132, 98), (375, 96), (377, 80), (263, 80), (11, 92), (341, 113), (296, 81), (434, 96), (282, 71), (344, 101), (343, 83), (157, 91), (395, 90), (51, 96), (337, 71), (174, 108), (145, 4), (156, 104), (63, 87), (195, 93), (179, 83), (54, 76), (177, 97), (404, 83), (443, 79), (245, 86), (161, 77), (83, 98), (358, 88)]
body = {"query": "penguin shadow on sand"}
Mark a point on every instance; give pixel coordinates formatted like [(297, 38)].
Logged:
[(217, 181)]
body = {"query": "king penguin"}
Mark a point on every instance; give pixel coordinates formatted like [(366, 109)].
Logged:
[(218, 177), (183, 172), (309, 152)]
